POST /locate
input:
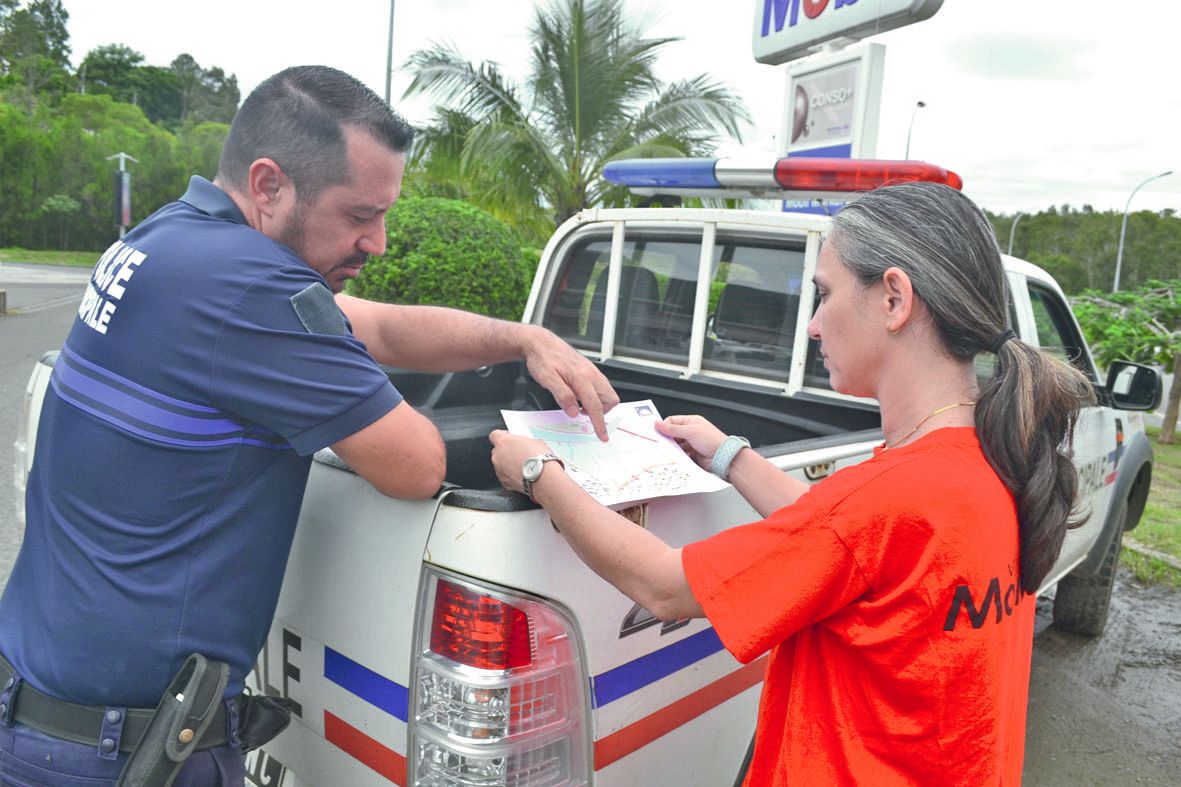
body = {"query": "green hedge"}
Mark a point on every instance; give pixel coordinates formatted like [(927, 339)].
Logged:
[(448, 253)]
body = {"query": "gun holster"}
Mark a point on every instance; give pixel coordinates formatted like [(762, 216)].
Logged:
[(261, 719), (175, 729)]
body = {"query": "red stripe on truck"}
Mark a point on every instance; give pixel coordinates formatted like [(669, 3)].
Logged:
[(360, 746), (635, 736)]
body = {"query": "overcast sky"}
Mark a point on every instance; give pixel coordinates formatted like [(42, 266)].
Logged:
[(1033, 103)]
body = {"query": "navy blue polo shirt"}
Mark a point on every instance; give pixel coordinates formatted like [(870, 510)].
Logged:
[(207, 364)]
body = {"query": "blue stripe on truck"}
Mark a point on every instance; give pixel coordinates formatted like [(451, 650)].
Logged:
[(366, 684), (647, 669)]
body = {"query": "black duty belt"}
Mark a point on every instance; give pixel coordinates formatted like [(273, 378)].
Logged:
[(84, 723)]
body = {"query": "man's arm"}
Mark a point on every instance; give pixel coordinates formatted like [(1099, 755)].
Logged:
[(401, 454), (437, 339)]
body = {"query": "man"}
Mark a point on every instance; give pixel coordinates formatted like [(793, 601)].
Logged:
[(209, 362)]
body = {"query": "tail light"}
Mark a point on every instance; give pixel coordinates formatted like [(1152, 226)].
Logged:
[(498, 697)]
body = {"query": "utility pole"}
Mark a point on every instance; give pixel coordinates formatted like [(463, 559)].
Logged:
[(123, 192), (917, 106), (1119, 257), (389, 55), (1013, 229)]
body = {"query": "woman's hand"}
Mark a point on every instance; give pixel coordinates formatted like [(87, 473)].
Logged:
[(509, 452), (698, 437)]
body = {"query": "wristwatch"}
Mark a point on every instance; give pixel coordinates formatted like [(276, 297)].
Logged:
[(531, 470)]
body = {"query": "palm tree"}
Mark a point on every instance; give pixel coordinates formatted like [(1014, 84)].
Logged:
[(591, 97)]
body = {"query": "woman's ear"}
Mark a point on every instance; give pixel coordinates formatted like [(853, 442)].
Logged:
[(899, 298)]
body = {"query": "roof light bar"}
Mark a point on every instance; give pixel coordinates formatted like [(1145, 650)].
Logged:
[(770, 177)]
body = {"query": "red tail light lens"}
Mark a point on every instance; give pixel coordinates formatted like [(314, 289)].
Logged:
[(479, 631)]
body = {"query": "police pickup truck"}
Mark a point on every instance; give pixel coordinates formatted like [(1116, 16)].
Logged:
[(460, 641)]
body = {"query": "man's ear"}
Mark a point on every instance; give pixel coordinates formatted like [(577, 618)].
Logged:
[(270, 188), (899, 298)]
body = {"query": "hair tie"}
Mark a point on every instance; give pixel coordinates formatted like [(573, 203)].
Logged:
[(995, 346)]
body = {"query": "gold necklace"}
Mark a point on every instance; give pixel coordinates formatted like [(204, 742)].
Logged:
[(934, 413)]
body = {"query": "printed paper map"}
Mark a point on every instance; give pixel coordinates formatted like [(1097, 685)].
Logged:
[(636, 462)]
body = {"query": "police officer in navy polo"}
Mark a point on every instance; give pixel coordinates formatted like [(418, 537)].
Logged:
[(212, 356)]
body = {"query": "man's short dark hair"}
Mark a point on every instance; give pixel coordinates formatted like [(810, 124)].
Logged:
[(296, 117)]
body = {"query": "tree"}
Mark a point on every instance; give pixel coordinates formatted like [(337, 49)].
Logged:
[(61, 205), (199, 147), (110, 70), (204, 95), (592, 97), (34, 47), (1080, 247), (1143, 325)]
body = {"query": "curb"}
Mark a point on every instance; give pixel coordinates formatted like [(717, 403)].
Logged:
[(1148, 551)]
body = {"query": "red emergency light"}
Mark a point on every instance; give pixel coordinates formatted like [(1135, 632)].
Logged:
[(770, 177), (846, 174)]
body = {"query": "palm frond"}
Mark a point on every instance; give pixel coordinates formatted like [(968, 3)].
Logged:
[(477, 91)]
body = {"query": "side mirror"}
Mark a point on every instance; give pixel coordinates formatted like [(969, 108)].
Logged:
[(1133, 386)]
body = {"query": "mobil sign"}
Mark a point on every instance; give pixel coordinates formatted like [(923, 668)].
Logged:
[(787, 29)]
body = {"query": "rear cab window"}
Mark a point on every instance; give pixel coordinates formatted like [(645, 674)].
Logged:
[(752, 306)]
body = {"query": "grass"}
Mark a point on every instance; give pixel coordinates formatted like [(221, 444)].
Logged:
[(82, 259), (1160, 526)]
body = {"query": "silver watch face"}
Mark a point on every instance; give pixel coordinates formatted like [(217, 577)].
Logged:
[(532, 468)]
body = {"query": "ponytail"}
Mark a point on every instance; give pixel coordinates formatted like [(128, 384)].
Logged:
[(1025, 419)]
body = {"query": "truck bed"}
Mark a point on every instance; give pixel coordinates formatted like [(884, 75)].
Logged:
[(465, 406)]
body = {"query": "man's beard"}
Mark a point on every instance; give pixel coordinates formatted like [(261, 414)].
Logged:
[(293, 237)]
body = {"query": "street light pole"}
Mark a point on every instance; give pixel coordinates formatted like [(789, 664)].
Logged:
[(123, 192), (389, 55), (917, 106), (1013, 229), (1119, 257)]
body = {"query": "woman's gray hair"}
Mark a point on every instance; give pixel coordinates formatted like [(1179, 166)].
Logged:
[(945, 245), (1027, 410)]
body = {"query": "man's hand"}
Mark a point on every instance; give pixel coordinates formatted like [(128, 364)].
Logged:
[(697, 436), (575, 382), (509, 452)]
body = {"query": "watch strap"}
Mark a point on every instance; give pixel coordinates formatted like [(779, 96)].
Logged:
[(527, 483), (724, 456)]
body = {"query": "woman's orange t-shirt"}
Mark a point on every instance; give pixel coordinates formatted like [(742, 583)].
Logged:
[(900, 640)]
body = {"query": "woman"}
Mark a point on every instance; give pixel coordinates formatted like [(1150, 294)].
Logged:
[(895, 596)]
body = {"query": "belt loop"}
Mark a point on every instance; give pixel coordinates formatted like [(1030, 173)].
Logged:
[(112, 733), (233, 720), (8, 695)]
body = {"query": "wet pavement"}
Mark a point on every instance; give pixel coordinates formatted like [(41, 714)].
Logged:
[(1107, 711)]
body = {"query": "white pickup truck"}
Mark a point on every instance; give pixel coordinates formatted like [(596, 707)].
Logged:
[(459, 640)]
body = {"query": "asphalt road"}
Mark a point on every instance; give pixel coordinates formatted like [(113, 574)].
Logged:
[(1101, 712), (41, 304)]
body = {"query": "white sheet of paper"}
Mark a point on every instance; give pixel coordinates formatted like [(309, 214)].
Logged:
[(636, 463)]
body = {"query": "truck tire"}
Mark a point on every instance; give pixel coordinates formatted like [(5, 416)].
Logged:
[(1081, 603)]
